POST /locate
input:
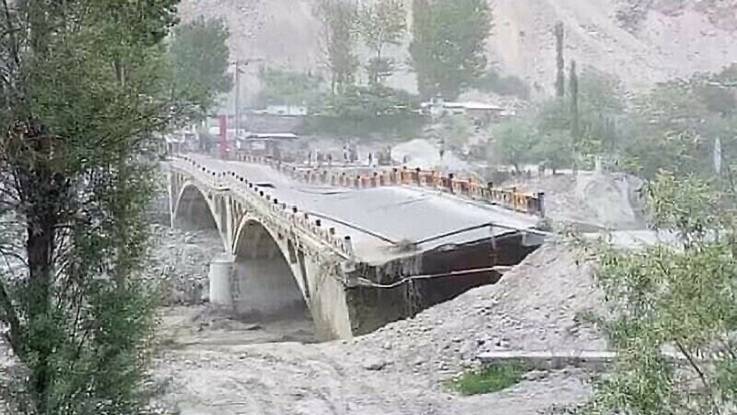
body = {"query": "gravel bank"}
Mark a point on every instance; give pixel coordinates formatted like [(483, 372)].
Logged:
[(401, 368), (180, 261)]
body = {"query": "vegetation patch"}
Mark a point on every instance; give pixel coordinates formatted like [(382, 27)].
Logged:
[(488, 380), (494, 81)]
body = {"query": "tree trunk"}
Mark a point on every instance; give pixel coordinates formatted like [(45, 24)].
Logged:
[(39, 247), (43, 199), (560, 81)]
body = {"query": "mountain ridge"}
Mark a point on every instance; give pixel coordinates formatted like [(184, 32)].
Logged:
[(673, 38)]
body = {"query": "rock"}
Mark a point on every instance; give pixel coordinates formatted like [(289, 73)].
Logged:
[(535, 375), (374, 364)]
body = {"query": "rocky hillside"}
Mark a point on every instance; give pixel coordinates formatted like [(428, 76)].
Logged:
[(641, 41)]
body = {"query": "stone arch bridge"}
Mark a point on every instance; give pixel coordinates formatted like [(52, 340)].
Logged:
[(357, 250)]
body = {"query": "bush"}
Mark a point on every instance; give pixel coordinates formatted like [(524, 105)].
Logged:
[(515, 141), (510, 85), (672, 308), (488, 380)]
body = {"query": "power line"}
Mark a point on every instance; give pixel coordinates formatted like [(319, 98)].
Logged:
[(485, 225), (498, 268), (352, 226)]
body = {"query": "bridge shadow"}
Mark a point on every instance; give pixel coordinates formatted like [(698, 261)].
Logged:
[(193, 212), (265, 288)]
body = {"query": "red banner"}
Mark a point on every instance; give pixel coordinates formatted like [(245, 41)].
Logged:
[(223, 119)]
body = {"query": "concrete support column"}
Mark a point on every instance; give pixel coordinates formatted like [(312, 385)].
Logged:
[(230, 223), (221, 277), (172, 190)]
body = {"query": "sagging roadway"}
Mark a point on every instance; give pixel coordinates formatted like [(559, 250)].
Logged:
[(358, 254)]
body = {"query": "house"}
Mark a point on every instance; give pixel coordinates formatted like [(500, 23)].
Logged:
[(479, 112)]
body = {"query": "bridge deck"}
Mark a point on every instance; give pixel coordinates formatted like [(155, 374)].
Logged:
[(395, 214)]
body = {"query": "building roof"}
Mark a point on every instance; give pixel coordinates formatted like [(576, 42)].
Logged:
[(271, 136), (465, 105)]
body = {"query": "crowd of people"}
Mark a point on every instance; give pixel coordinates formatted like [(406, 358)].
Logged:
[(350, 156)]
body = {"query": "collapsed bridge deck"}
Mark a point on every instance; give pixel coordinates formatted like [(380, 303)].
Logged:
[(367, 239)]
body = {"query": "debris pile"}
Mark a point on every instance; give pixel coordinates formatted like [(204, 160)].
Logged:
[(591, 201), (180, 262), (537, 306)]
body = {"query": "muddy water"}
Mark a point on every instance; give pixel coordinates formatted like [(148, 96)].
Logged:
[(205, 326)]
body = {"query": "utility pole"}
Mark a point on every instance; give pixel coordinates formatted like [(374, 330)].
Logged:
[(224, 127), (237, 97)]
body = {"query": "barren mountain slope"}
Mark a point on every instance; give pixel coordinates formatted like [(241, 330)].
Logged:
[(698, 35), (669, 45)]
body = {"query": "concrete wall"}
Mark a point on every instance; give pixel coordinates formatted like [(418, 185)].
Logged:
[(328, 303)]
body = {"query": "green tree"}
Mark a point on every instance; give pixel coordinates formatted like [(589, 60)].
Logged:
[(674, 308), (515, 141), (199, 55), (560, 79), (575, 115), (454, 132), (287, 87), (496, 82), (339, 31), (448, 46), (717, 91), (381, 24), (554, 150), (85, 85), (675, 125), (600, 91), (600, 109), (420, 45), (363, 111)]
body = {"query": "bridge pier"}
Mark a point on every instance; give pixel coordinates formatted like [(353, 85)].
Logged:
[(221, 280)]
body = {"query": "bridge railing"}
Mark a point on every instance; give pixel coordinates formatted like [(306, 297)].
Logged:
[(530, 203), (288, 214), (213, 178)]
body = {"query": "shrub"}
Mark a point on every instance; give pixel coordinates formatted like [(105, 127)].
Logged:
[(491, 379)]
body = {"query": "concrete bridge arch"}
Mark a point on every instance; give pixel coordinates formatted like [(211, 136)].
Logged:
[(266, 273), (268, 269), (275, 274), (194, 208)]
